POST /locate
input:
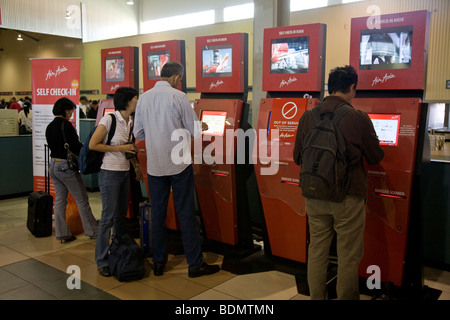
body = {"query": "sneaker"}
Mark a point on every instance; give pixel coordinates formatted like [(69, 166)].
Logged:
[(203, 270), (158, 269)]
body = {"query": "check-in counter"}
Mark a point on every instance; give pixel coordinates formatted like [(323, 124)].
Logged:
[(90, 180), (16, 165), (435, 193)]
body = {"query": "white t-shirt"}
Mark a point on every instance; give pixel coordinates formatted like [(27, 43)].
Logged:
[(116, 161)]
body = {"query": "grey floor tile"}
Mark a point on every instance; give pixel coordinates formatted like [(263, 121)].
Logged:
[(33, 271), (28, 292), (9, 281)]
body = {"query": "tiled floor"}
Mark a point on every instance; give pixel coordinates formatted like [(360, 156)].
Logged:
[(37, 268)]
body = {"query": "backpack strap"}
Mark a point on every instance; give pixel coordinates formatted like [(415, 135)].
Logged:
[(340, 112), (112, 129)]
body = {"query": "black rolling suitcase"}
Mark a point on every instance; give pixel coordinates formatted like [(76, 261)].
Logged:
[(40, 207), (145, 228)]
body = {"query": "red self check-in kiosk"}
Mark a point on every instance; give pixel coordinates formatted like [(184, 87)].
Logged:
[(221, 171), (119, 68), (154, 57), (293, 66), (389, 53)]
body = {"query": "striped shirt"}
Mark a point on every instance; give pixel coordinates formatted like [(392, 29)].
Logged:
[(159, 112), (116, 161)]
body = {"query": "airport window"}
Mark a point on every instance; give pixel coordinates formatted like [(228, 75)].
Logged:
[(239, 12), (179, 22), (298, 5)]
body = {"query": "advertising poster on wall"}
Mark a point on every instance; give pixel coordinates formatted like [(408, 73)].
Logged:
[(51, 79)]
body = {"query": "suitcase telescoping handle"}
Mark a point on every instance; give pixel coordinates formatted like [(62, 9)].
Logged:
[(46, 168)]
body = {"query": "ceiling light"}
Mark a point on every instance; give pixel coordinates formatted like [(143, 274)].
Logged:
[(130, 2), (19, 37)]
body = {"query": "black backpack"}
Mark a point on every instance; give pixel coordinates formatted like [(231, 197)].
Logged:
[(126, 259), (324, 169), (90, 161)]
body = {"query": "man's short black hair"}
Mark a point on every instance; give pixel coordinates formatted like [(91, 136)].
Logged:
[(61, 105), (341, 78), (171, 68), (122, 96)]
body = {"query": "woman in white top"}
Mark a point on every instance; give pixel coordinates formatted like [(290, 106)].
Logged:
[(114, 176), (25, 119)]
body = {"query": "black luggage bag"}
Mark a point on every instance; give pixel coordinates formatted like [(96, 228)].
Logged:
[(40, 207), (145, 228)]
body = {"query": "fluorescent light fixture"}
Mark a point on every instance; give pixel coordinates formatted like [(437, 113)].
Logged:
[(298, 5), (240, 12), (19, 37), (350, 1), (179, 22), (130, 2)]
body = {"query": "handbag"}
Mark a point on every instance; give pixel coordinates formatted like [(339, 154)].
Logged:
[(72, 158)]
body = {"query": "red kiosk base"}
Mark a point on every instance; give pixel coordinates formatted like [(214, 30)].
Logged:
[(283, 205), (220, 180), (392, 239)]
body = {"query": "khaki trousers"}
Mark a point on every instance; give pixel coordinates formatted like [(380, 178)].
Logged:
[(347, 219)]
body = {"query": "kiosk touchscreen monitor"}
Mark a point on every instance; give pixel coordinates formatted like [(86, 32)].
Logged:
[(289, 55), (294, 58), (155, 55), (388, 48), (215, 121), (221, 63), (114, 68), (217, 61), (155, 62), (390, 51), (108, 111), (387, 127), (119, 68)]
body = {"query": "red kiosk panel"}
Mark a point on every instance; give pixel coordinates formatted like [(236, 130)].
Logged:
[(293, 58), (283, 204), (390, 184), (154, 57), (221, 63), (119, 68), (389, 51), (214, 174)]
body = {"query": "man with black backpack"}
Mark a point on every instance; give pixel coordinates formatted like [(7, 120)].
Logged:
[(332, 140)]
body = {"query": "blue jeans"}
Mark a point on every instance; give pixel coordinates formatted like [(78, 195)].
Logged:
[(183, 196), (114, 189), (65, 181)]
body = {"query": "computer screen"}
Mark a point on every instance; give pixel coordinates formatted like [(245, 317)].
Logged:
[(387, 48), (387, 127), (108, 110), (215, 121), (114, 69), (289, 55), (155, 62), (217, 61)]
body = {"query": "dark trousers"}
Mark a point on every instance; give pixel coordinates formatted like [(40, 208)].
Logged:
[(183, 195)]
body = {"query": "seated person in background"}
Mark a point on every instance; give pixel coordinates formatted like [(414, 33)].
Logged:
[(25, 119)]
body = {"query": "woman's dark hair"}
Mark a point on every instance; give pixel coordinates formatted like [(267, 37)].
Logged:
[(122, 96), (171, 68), (63, 104), (26, 108), (341, 78)]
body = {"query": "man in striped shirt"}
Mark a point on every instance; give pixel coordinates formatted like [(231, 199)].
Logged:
[(160, 112)]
